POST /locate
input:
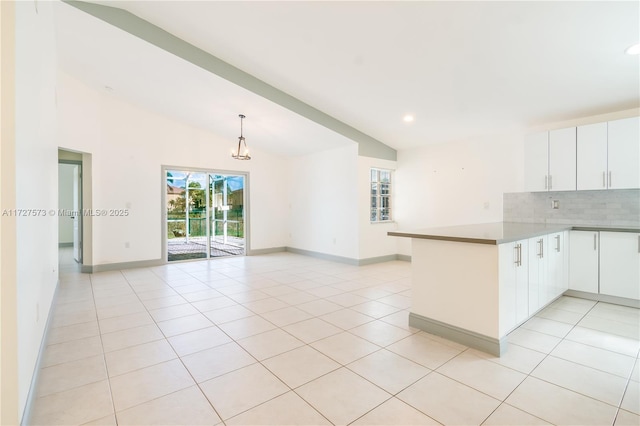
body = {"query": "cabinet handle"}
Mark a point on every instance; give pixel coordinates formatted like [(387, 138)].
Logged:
[(546, 182), (595, 241), (539, 244), (604, 179), (558, 243), (609, 178), (519, 254), (541, 247), (515, 255)]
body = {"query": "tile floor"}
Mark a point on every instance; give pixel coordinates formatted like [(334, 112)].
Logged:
[(284, 339)]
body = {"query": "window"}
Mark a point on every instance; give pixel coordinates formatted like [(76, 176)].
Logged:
[(380, 195)]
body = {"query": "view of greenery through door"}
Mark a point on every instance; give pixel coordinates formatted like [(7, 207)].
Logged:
[(205, 214)]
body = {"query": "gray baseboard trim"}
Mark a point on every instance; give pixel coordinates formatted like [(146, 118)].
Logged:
[(324, 256), (257, 252), (348, 260), (90, 269), (378, 259), (65, 244), (623, 301), (460, 335), (31, 396)]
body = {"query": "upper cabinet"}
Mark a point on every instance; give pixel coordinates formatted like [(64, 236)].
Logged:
[(596, 156), (536, 162), (592, 156), (562, 159), (609, 155), (624, 153), (550, 161)]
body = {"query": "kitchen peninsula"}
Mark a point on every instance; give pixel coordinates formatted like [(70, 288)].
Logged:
[(475, 283)]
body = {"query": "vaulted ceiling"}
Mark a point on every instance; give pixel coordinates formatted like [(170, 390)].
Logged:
[(462, 69)]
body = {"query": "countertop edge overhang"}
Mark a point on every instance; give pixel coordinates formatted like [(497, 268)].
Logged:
[(500, 232)]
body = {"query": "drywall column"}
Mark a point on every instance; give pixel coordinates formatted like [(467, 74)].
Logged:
[(8, 260)]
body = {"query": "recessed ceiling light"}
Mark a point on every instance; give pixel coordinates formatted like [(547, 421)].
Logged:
[(408, 118), (633, 50)]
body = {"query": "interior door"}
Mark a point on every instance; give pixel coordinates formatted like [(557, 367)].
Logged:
[(77, 217)]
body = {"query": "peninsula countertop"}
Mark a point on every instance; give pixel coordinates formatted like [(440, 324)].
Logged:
[(499, 232)]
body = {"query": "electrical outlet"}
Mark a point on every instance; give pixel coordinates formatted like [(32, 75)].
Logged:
[(555, 204)]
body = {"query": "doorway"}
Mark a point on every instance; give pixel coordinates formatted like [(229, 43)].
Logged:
[(205, 214), (70, 207)]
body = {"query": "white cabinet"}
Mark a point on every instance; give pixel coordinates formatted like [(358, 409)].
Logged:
[(536, 162), (557, 255), (624, 153), (548, 274), (608, 155), (583, 261), (562, 159), (591, 149), (537, 273), (550, 161), (620, 264), (513, 279), (607, 263)]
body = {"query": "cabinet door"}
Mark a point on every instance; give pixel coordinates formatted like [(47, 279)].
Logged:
[(591, 154), (624, 153), (536, 162), (620, 264), (522, 284), (583, 261), (513, 285), (562, 160), (554, 253), (536, 273)]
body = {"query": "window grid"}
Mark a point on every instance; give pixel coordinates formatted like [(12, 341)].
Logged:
[(380, 209)]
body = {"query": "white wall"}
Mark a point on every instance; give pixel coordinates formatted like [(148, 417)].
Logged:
[(37, 181), (65, 201), (322, 202), (456, 183), (129, 146), (373, 239)]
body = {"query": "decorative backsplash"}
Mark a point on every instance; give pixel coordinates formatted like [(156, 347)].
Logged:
[(617, 207)]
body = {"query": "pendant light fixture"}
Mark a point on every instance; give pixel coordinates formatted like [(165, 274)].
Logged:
[(241, 155)]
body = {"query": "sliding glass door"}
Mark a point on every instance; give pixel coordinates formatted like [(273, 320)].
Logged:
[(227, 221), (205, 214)]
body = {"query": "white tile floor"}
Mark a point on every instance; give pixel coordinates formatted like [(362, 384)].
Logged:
[(284, 339)]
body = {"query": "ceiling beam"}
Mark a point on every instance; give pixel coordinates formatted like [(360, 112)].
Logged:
[(367, 145)]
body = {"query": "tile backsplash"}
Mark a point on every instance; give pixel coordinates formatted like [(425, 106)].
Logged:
[(614, 207)]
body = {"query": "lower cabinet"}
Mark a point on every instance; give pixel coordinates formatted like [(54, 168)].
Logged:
[(513, 281), (533, 273), (583, 261), (548, 269), (607, 263), (538, 272), (620, 264)]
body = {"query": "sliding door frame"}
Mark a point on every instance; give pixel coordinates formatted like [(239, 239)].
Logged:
[(163, 206)]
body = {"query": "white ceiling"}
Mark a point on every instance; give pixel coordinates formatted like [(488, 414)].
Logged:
[(462, 68)]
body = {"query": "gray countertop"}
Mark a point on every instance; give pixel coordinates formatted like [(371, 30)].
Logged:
[(498, 232)]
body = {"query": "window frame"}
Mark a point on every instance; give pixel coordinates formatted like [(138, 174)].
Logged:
[(375, 192)]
